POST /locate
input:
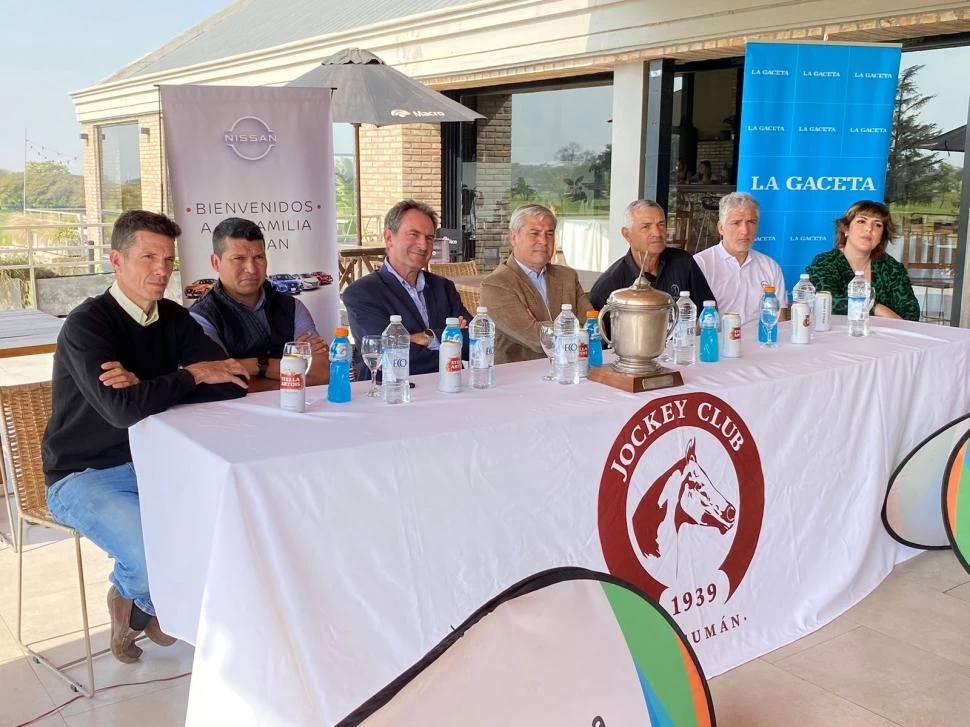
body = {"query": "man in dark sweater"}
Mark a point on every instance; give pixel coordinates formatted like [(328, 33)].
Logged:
[(667, 268), (121, 357), (245, 314)]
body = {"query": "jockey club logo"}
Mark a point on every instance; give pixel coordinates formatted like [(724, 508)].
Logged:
[(683, 523), (250, 138)]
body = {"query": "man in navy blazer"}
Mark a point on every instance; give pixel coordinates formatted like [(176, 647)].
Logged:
[(402, 287)]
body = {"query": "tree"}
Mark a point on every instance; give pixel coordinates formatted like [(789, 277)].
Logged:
[(914, 175), (51, 185), (522, 189), (11, 190)]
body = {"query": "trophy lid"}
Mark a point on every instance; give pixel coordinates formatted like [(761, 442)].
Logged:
[(640, 296)]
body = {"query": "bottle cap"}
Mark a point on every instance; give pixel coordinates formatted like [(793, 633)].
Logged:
[(451, 321), (340, 331), (567, 306), (859, 272), (590, 314), (685, 294), (803, 276), (395, 319), (709, 304), (769, 288), (481, 309)]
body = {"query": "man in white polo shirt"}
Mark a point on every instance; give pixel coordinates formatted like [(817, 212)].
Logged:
[(736, 273)]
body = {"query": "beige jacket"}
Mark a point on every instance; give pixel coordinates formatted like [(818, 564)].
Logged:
[(517, 308)]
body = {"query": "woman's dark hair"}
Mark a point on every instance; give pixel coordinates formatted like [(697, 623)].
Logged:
[(869, 208)]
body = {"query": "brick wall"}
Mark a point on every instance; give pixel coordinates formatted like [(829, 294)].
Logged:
[(398, 162), (719, 153), (92, 180), (152, 169), (493, 180)]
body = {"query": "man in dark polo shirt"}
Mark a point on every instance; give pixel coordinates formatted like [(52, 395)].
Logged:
[(245, 314), (122, 356), (667, 268)]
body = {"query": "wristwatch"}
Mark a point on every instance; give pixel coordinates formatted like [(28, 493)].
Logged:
[(430, 334), (262, 364)]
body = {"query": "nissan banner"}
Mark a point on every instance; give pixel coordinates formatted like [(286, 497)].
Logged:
[(815, 131), (264, 154)]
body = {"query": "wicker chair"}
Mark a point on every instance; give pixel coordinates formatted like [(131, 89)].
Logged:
[(25, 411), (454, 270), (470, 299)]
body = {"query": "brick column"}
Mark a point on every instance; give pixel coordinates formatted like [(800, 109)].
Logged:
[(152, 165), (398, 162), (92, 181), (493, 180)]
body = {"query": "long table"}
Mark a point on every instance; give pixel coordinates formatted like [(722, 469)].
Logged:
[(27, 332), (312, 558)]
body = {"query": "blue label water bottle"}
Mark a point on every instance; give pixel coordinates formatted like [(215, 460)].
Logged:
[(338, 391), (595, 339), (710, 336)]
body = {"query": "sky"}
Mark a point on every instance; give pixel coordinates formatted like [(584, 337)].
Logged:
[(57, 46), (50, 48)]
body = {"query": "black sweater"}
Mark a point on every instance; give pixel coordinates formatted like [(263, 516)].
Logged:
[(89, 423)]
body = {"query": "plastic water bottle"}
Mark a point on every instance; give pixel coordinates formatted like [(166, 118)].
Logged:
[(481, 349), (566, 333), (859, 290), (595, 339), (804, 292), (768, 322), (449, 358), (338, 391), (685, 344), (710, 333), (396, 363)]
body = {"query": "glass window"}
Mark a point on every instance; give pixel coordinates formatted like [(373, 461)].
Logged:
[(548, 146), (120, 170), (924, 179)]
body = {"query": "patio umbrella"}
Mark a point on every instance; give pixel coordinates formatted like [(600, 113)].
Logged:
[(368, 91), (953, 140)]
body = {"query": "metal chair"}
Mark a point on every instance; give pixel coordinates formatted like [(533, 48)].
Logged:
[(25, 410)]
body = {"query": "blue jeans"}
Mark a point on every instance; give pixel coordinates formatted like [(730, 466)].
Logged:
[(102, 505)]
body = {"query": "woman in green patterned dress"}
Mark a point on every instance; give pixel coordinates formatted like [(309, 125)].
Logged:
[(861, 236)]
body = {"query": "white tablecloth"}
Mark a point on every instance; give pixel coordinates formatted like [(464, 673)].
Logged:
[(312, 558), (586, 243)]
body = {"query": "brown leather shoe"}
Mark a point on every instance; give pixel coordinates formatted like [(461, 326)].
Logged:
[(122, 635), (155, 633)]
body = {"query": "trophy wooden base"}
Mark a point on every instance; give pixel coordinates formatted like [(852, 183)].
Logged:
[(635, 383)]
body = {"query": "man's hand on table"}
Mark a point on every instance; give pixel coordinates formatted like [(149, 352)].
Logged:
[(219, 372)]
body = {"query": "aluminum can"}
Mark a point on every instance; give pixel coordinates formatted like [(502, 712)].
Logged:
[(823, 311), (582, 356), (801, 323), (449, 367), (293, 383), (731, 325)]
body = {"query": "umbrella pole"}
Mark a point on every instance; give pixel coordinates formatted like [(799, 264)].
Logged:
[(360, 218)]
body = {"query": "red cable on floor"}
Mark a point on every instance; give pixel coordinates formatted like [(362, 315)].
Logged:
[(96, 691)]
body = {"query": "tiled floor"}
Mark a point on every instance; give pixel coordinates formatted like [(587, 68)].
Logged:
[(900, 657)]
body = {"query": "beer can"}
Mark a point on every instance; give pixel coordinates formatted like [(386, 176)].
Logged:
[(293, 383), (582, 354), (449, 367), (800, 323), (823, 311), (731, 326)]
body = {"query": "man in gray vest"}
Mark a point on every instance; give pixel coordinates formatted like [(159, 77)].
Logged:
[(247, 316)]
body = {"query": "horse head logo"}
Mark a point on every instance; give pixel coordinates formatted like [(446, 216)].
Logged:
[(682, 494)]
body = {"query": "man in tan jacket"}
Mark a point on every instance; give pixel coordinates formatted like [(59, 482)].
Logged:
[(529, 290)]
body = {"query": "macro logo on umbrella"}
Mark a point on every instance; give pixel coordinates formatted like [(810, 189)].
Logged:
[(404, 113), (250, 138), (683, 522)]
